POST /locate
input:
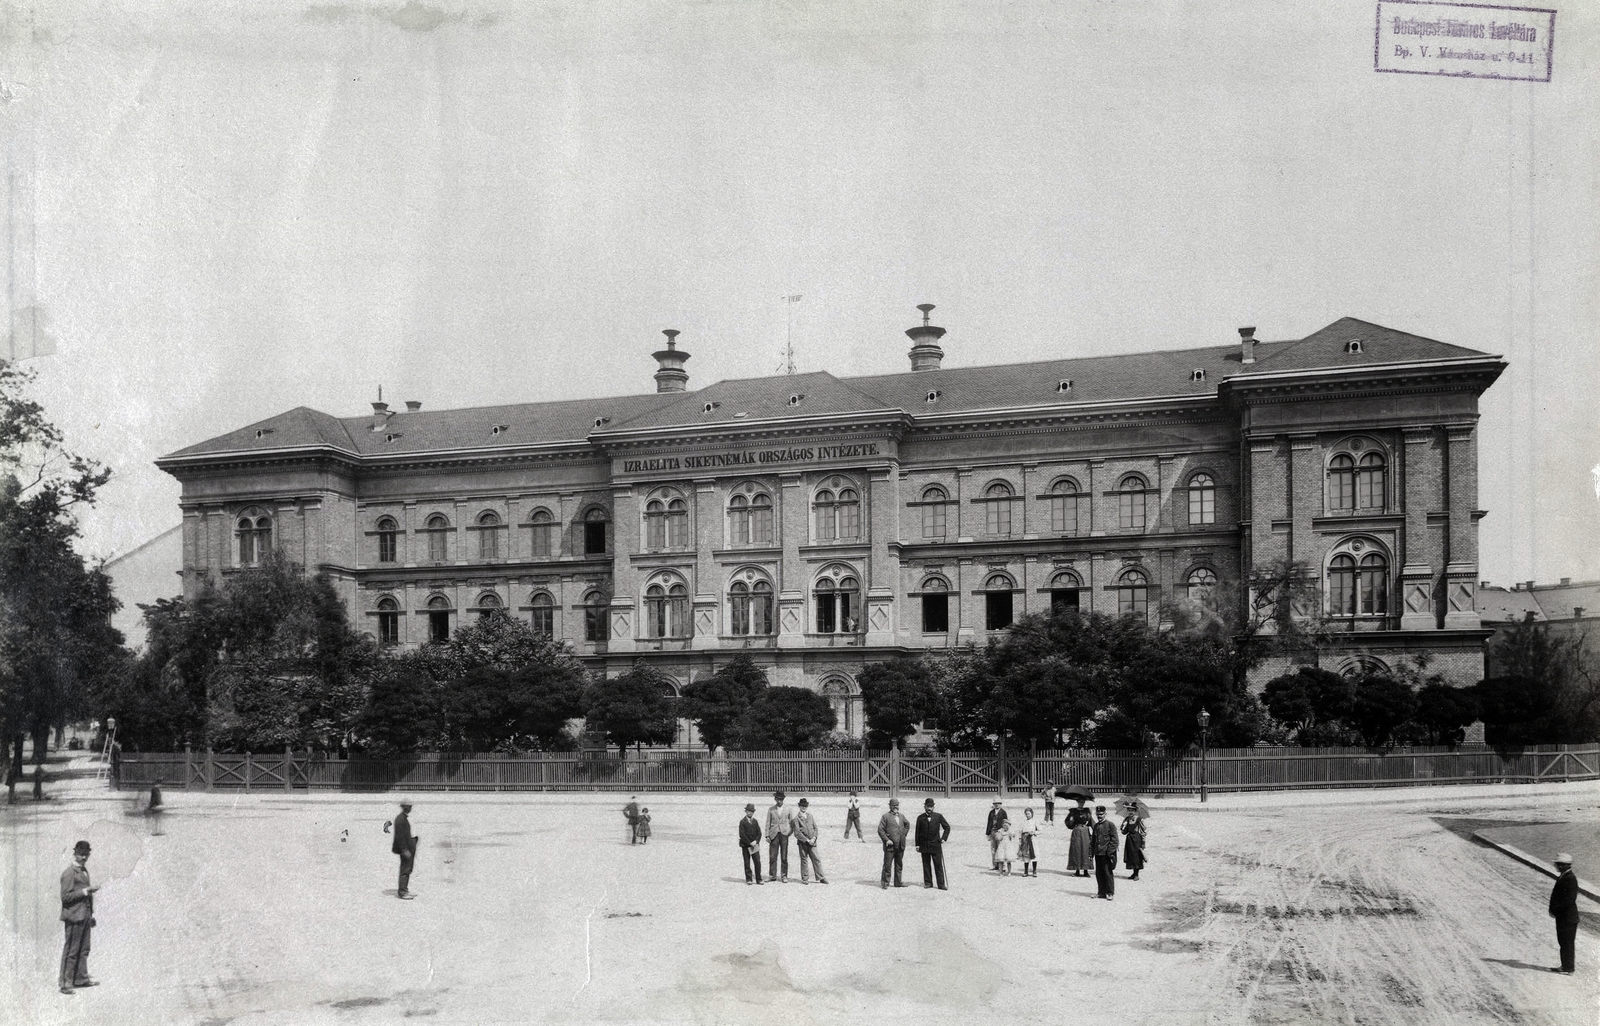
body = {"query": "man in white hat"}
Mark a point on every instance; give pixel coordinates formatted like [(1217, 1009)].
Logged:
[(1564, 910), (405, 846)]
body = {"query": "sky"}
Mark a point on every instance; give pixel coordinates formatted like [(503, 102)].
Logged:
[(220, 211)]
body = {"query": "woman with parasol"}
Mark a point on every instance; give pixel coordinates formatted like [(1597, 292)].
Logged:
[(1080, 821), (1134, 813)]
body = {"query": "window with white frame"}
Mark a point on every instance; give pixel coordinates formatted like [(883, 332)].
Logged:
[(934, 500), (388, 536), (543, 527), (1133, 594), (543, 614), (1202, 499), (255, 537), (488, 535), (997, 499), (666, 608), (836, 596), (750, 604), (1064, 496), (1131, 494)]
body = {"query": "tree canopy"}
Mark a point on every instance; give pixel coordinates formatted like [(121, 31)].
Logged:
[(633, 708), (716, 701)]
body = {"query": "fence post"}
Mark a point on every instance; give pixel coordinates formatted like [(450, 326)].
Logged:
[(1000, 768), (1033, 767), (247, 772), (894, 768), (211, 769), (288, 768), (949, 771), (188, 766)]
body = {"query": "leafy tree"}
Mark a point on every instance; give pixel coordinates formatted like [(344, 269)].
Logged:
[(789, 719), (404, 709), (491, 709), (896, 696), (1443, 713), (717, 700), (1545, 688), (1314, 702), (632, 708), (1379, 706)]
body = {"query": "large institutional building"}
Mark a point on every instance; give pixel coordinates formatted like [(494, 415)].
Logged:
[(818, 523)]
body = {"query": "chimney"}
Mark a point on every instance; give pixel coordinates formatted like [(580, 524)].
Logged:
[(1577, 612), (413, 405), (1527, 585), (925, 351), (1565, 581), (671, 377), (1247, 345), (380, 415)]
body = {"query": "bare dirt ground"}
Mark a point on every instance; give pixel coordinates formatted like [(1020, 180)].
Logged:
[(1343, 907)]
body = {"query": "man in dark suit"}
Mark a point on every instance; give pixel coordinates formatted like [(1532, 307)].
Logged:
[(405, 846), (1105, 853), (630, 812), (892, 831), (932, 831), (997, 816), (750, 845), (1564, 910), (77, 913)]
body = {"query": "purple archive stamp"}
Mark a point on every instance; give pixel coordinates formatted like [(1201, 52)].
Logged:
[(1425, 37)]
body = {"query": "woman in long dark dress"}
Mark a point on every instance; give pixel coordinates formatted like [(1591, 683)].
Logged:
[(1080, 852), (1133, 847)]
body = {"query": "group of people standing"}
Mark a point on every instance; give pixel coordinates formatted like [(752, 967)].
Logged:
[(783, 822), (1093, 847)]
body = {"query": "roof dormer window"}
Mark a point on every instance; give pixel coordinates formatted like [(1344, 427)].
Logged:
[(794, 400), (1353, 346), (1198, 374), (391, 436), (500, 429), (709, 407), (264, 432), (1065, 386), (601, 421), (933, 396)]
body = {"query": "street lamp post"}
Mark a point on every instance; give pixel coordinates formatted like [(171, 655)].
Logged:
[(1204, 719)]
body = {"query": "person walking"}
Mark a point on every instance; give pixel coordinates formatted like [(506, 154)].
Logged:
[(77, 915), (405, 846), (630, 812), (780, 824), (156, 807), (1563, 909), (1105, 853), (750, 845), (1133, 846), (852, 817), (932, 831), (641, 829), (997, 816), (1027, 836), (805, 839), (1080, 849), (1049, 796), (892, 831)]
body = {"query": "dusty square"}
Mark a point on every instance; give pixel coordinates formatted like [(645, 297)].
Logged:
[(1348, 907)]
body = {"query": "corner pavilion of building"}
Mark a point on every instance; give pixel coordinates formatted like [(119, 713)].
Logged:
[(818, 523)]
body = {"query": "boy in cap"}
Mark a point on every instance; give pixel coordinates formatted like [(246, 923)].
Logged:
[(1564, 910), (805, 838), (892, 830), (852, 818), (750, 845), (405, 846), (77, 913)]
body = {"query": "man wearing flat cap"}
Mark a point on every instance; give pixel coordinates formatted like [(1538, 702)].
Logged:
[(1564, 910), (405, 846), (750, 845), (932, 831), (77, 913), (1105, 854), (892, 831), (805, 839)]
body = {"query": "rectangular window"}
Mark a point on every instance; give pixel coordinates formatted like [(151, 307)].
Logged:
[(1133, 602), (997, 610), (1342, 487), (741, 527), (999, 517), (542, 535), (1369, 489), (1202, 506), (1064, 514), (935, 614), (761, 533), (827, 526), (933, 521), (849, 521), (386, 547), (489, 543), (1130, 511), (825, 620), (677, 530), (438, 545), (544, 621), (761, 614), (1064, 600), (655, 531), (439, 626), (594, 537), (388, 628)]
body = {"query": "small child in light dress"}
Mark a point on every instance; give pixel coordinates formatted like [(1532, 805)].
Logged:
[(644, 826), (1006, 847)]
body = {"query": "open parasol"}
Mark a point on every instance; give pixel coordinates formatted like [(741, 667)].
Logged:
[(1130, 806), (1074, 791)]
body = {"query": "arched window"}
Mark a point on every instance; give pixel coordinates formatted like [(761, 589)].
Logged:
[(750, 607), (388, 621), (750, 518), (1371, 472), (1065, 589), (739, 520), (1358, 477), (1064, 506), (543, 614), (666, 605), (1202, 499), (1133, 594), (933, 512), (594, 532), (255, 539), (761, 532), (544, 531), (849, 504), (488, 535), (843, 700), (1342, 482), (488, 604), (655, 524), (438, 530), (997, 606), (997, 513), (935, 605), (439, 619), (677, 523), (1358, 585), (388, 534), (1202, 584), (595, 616), (826, 516), (1131, 502), (666, 521), (838, 604)]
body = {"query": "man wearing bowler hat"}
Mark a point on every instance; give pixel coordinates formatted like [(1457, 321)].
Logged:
[(1564, 910), (405, 846), (77, 913), (750, 845), (805, 839), (932, 831), (892, 831)]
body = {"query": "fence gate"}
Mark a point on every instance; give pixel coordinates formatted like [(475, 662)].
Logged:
[(877, 774)]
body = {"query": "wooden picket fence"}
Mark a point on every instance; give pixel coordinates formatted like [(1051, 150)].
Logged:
[(1131, 772)]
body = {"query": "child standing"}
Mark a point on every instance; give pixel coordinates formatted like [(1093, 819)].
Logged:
[(1005, 850), (643, 829), (1049, 805), (1028, 832)]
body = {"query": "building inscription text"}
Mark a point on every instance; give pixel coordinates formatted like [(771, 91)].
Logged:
[(751, 457)]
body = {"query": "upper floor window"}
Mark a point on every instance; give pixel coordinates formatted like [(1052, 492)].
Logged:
[(594, 532), (1131, 502), (543, 614), (1065, 588), (388, 621), (439, 619), (544, 532), (596, 616), (1133, 594), (1358, 478), (1202, 499), (837, 510), (666, 521), (1202, 583), (997, 606), (255, 539), (750, 607), (1064, 495), (666, 609), (935, 605), (837, 596), (750, 518), (933, 512), (1358, 583), (488, 535), (388, 535), (438, 530), (997, 512)]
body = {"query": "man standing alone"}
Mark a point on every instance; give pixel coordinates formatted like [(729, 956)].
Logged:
[(932, 831), (852, 818), (1105, 853), (892, 831), (750, 845), (77, 912), (805, 838), (991, 830), (405, 846), (1564, 910), (780, 824)]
